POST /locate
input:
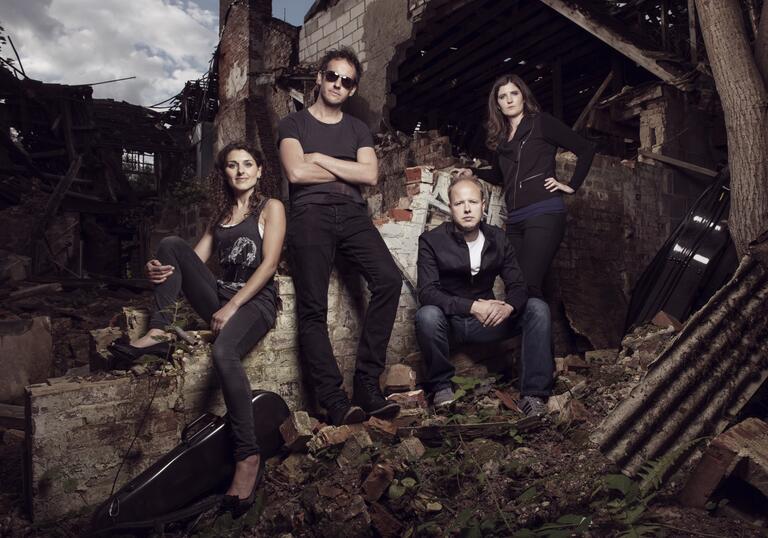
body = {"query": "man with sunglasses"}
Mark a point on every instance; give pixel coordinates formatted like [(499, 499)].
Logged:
[(327, 155)]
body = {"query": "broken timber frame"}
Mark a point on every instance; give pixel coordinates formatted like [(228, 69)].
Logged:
[(612, 38)]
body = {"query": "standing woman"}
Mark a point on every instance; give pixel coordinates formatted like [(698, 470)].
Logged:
[(246, 235), (524, 141)]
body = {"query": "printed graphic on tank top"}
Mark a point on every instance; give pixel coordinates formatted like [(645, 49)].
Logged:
[(239, 249)]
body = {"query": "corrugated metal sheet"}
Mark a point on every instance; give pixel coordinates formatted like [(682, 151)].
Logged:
[(705, 376)]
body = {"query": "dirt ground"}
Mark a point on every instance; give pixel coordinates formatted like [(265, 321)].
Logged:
[(542, 479)]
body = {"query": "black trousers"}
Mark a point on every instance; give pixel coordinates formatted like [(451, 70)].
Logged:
[(240, 334), (536, 241), (316, 234)]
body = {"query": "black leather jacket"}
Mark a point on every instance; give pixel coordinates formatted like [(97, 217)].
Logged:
[(524, 162), (445, 278)]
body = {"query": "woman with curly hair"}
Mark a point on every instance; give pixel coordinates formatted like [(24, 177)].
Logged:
[(246, 235), (524, 140)]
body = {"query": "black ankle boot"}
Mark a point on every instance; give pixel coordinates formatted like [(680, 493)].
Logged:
[(367, 395)]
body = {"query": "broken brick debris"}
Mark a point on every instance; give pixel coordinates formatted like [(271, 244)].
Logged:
[(411, 448), (662, 319), (434, 434), (413, 399), (354, 447), (377, 481), (387, 525), (507, 400), (741, 452), (329, 436), (297, 431), (399, 378), (380, 430), (409, 417)]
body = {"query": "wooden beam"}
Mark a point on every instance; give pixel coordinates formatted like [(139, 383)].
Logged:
[(665, 24), (595, 98), (38, 233), (693, 39), (678, 163), (12, 416), (477, 81), (557, 88), (483, 44), (473, 71), (434, 435), (612, 38), (437, 49)]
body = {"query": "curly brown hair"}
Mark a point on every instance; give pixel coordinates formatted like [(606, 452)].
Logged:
[(221, 197), (498, 124)]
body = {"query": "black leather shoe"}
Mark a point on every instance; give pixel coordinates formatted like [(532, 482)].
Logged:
[(126, 353), (345, 414), (239, 507), (367, 395)]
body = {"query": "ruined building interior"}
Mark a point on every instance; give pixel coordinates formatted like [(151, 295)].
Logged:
[(82, 185)]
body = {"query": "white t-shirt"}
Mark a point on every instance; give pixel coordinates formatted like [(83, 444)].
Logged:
[(475, 250)]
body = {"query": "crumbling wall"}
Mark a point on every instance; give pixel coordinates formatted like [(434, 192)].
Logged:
[(79, 429), (252, 46), (616, 223), (373, 29)]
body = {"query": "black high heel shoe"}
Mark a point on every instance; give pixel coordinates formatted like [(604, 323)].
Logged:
[(126, 354), (239, 507)]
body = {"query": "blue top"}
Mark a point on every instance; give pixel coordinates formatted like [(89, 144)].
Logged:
[(548, 205)]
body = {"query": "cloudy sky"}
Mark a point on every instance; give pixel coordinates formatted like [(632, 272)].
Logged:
[(163, 43)]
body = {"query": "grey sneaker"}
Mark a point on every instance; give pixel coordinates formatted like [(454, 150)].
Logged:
[(532, 406), (443, 397)]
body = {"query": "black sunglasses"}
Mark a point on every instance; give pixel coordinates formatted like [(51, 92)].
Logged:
[(333, 76)]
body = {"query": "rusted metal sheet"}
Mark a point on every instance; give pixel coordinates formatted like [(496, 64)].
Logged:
[(698, 384)]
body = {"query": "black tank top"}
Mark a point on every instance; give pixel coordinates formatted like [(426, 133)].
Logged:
[(239, 249)]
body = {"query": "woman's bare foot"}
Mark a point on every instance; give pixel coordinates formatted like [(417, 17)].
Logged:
[(246, 472), (153, 337)]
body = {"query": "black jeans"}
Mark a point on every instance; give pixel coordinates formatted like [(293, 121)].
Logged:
[(536, 241), (240, 334), (436, 332), (316, 233)]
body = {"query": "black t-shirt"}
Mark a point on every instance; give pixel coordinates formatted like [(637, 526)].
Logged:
[(339, 140)]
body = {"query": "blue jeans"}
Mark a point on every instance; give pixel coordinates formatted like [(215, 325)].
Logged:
[(436, 332)]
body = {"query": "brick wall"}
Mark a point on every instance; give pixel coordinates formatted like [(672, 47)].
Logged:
[(373, 29), (79, 429), (616, 223), (253, 45)]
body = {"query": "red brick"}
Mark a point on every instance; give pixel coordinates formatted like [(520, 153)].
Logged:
[(378, 481), (663, 320), (400, 214), (409, 400), (413, 175), (747, 442), (381, 430)]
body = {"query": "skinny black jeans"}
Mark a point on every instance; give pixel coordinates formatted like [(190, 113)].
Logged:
[(240, 334), (536, 241), (316, 233)]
